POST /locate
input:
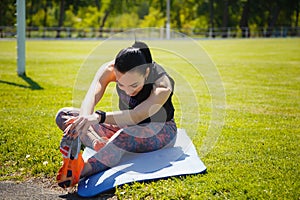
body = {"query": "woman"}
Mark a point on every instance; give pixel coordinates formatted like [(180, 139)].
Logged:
[(143, 124)]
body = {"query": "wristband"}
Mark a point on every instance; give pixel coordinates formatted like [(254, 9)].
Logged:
[(102, 115)]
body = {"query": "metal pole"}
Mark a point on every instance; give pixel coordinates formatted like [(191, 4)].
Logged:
[(168, 26), (21, 26)]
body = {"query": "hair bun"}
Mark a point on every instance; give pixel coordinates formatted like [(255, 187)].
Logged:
[(143, 47)]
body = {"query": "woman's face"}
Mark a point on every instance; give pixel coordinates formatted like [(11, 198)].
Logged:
[(131, 82)]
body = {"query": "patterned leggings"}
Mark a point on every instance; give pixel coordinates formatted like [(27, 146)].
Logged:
[(131, 139)]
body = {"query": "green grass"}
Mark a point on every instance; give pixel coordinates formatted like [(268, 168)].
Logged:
[(256, 156)]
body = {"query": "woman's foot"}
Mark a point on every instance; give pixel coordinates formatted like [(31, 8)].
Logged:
[(69, 174)]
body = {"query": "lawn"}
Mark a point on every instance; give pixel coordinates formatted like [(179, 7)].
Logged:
[(255, 156)]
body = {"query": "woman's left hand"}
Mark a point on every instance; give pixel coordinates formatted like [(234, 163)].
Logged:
[(80, 124)]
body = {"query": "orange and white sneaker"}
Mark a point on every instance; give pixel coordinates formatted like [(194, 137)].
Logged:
[(69, 174)]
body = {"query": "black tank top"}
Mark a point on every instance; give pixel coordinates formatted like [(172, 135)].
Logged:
[(126, 102)]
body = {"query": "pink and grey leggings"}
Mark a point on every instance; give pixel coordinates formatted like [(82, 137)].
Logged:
[(131, 139)]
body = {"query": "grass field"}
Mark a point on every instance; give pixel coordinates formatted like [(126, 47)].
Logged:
[(257, 155)]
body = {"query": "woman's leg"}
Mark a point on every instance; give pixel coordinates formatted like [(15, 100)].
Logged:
[(69, 174), (134, 139), (105, 130), (90, 139)]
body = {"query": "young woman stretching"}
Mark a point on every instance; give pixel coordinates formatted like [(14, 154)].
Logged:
[(143, 124)]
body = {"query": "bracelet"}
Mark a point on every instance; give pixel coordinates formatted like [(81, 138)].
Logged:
[(103, 116)]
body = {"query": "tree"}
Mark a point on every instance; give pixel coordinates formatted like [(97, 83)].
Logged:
[(297, 12), (244, 26), (154, 19), (274, 10), (7, 13), (225, 17), (32, 8), (186, 15), (211, 18), (61, 17)]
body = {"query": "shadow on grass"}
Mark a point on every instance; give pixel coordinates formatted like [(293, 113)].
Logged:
[(31, 83)]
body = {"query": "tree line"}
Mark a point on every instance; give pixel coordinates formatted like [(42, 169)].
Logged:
[(184, 14)]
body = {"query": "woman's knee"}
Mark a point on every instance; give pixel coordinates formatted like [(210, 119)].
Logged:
[(60, 117)]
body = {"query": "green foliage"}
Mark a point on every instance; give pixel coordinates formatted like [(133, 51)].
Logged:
[(184, 13), (126, 20), (154, 19), (256, 156), (86, 17), (143, 10), (7, 13)]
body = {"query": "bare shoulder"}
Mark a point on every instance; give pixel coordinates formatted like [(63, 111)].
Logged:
[(110, 68), (164, 82), (108, 74)]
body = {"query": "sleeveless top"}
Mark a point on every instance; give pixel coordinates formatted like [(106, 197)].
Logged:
[(166, 112)]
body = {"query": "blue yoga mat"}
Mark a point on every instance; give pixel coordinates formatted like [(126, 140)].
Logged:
[(182, 159)]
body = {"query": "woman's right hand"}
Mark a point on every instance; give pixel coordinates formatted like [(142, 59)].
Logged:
[(80, 125), (69, 131)]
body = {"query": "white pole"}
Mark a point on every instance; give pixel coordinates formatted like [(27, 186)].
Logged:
[(168, 26), (21, 26)]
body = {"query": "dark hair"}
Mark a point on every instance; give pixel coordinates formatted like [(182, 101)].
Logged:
[(143, 47), (136, 58)]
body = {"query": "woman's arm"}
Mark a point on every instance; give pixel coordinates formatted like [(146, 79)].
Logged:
[(159, 95), (80, 124), (103, 77)]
